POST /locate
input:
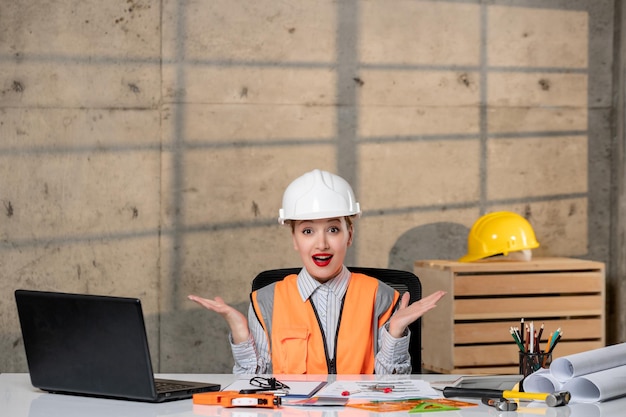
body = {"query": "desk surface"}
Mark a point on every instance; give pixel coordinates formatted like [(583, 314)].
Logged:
[(18, 398)]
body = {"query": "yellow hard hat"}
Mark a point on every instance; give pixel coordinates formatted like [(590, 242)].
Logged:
[(498, 233)]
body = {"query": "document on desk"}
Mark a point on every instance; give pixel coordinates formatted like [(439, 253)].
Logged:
[(400, 389), (297, 389)]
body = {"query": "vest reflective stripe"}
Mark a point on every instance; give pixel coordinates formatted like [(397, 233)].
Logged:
[(295, 337)]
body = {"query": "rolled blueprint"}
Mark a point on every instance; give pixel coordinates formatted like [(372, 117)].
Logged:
[(571, 366)]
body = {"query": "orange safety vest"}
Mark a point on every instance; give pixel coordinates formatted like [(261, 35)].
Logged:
[(297, 344)]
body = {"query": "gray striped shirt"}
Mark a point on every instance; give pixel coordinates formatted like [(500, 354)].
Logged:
[(253, 356)]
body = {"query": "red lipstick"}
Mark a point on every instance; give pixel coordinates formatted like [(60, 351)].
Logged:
[(322, 259)]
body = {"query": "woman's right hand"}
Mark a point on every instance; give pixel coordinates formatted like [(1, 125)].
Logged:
[(236, 321)]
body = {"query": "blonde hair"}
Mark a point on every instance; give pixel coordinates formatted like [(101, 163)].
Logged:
[(349, 223)]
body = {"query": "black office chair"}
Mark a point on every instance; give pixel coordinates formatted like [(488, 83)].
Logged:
[(401, 281)]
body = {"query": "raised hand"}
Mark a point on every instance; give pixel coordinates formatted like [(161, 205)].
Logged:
[(407, 314), (236, 321)]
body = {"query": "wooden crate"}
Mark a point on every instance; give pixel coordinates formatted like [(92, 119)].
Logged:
[(468, 331)]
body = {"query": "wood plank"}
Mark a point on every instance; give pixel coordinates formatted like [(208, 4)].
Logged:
[(499, 370), (497, 355), (514, 308), (491, 370), (493, 332), (536, 264), (540, 283)]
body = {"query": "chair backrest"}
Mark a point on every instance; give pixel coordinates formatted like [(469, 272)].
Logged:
[(401, 281)]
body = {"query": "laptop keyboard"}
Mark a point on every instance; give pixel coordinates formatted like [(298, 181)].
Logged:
[(164, 386)]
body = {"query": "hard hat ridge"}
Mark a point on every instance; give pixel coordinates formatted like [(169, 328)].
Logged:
[(318, 195)]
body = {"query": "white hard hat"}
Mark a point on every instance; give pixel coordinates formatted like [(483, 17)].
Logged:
[(318, 195)]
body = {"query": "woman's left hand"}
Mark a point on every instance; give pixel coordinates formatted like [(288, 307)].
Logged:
[(407, 314)]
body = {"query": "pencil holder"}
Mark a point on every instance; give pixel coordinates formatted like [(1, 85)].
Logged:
[(532, 362)]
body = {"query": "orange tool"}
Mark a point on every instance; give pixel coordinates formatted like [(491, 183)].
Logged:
[(235, 399)]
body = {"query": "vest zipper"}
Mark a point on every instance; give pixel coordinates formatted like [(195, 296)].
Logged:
[(334, 361), (319, 324), (331, 364)]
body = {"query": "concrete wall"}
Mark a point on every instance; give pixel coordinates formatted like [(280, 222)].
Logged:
[(145, 145)]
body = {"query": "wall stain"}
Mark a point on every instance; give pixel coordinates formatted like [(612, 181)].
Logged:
[(130, 13), (255, 209), (291, 30), (134, 88), (135, 212), (527, 212), (9, 208), (244, 92), (135, 5), (18, 87), (544, 84), (359, 81), (464, 79)]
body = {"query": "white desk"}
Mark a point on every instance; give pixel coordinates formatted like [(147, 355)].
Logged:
[(18, 398)]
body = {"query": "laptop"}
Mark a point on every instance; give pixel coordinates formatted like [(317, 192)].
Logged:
[(93, 345)]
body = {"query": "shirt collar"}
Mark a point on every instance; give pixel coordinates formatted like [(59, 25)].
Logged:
[(338, 285)]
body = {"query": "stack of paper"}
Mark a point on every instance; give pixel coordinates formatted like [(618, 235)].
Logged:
[(379, 390), (592, 376)]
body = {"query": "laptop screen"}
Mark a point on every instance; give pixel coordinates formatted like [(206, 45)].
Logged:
[(89, 344)]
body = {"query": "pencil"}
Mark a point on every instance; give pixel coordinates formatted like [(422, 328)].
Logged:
[(527, 338), (548, 343), (556, 340), (540, 333), (517, 335), (519, 344)]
